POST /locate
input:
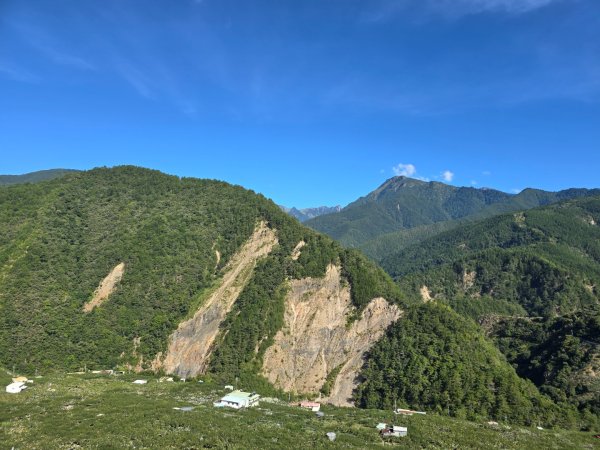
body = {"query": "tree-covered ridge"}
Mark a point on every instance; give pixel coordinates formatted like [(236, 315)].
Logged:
[(534, 276), (555, 230), (59, 238), (34, 177), (435, 360), (543, 262), (405, 211), (519, 281)]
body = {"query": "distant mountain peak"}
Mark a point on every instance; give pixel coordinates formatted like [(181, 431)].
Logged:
[(305, 214)]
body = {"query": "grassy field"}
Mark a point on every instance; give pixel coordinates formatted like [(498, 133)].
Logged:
[(94, 411)]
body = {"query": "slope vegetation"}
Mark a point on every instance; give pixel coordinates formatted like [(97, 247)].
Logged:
[(431, 359), (191, 344), (530, 279)]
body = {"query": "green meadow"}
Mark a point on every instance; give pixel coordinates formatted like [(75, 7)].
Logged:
[(62, 411)]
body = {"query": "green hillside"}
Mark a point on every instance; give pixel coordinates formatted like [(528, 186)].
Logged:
[(432, 359), (405, 211), (60, 238), (560, 354), (531, 279), (566, 233)]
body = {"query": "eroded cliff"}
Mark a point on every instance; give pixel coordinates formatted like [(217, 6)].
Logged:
[(316, 338)]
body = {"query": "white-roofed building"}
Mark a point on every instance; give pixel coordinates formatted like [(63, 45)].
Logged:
[(238, 400)]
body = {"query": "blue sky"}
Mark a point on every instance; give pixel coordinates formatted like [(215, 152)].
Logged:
[(309, 102)]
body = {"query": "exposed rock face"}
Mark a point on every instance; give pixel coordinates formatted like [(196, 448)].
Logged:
[(469, 279), (298, 250), (105, 288), (425, 294), (315, 338), (190, 345)]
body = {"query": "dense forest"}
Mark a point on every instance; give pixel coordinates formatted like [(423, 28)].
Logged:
[(530, 279), (559, 354), (432, 359)]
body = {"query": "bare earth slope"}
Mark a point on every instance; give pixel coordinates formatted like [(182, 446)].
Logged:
[(315, 338), (105, 288), (190, 345)]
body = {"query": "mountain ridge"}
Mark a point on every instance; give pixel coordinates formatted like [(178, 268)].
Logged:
[(34, 177), (402, 203), (305, 214)]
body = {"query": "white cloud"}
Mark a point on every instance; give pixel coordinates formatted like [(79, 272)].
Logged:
[(404, 170), (474, 182), (447, 175), (486, 173), (137, 79), (479, 6), (515, 191), (389, 9)]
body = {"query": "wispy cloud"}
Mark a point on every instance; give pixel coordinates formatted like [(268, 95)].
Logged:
[(404, 170), (479, 6), (65, 59), (17, 73), (389, 9), (43, 42), (447, 176), (136, 78)]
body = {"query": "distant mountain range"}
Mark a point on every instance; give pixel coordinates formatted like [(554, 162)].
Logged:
[(310, 213), (34, 177), (403, 211)]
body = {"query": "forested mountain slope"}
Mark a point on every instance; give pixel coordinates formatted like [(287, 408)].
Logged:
[(403, 211), (531, 279), (128, 267), (173, 240)]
